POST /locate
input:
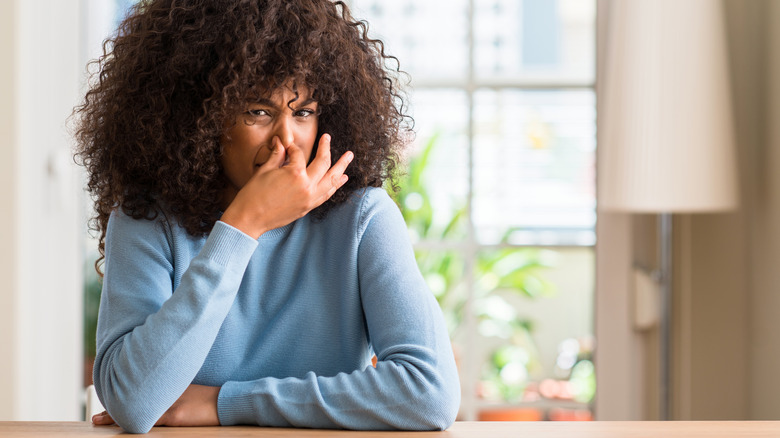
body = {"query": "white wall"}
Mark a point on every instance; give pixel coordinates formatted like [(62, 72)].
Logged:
[(42, 223), (719, 263), (765, 299), (619, 358), (8, 263), (725, 354), (732, 278)]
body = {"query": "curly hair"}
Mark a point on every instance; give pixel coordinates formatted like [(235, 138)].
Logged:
[(177, 71)]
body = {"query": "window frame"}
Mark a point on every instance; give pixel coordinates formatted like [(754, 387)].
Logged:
[(471, 247)]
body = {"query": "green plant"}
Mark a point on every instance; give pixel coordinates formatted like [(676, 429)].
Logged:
[(496, 274)]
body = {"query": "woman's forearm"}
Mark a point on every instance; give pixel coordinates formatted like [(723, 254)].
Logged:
[(152, 341)]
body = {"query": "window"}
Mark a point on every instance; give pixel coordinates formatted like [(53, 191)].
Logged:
[(500, 191)]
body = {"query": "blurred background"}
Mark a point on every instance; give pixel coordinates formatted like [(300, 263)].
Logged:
[(554, 303)]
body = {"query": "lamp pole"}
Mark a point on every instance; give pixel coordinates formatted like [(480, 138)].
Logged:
[(665, 329)]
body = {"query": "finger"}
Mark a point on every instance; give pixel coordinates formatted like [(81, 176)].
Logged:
[(328, 187), (102, 419), (276, 159), (335, 178), (295, 157), (337, 183), (321, 162), (341, 165), (334, 175)]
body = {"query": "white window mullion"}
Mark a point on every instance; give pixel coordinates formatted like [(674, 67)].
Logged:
[(471, 361)]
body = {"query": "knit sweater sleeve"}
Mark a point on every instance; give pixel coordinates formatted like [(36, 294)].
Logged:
[(152, 340), (415, 383)]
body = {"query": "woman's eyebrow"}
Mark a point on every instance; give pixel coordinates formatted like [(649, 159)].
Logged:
[(305, 102), (265, 102), (293, 103)]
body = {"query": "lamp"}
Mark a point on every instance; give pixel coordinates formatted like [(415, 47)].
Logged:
[(667, 141)]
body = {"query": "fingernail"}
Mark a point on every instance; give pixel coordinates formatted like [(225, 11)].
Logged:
[(350, 156), (326, 137)]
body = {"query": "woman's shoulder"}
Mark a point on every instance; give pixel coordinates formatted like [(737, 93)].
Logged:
[(154, 227), (371, 204), (121, 219), (359, 208), (366, 202)]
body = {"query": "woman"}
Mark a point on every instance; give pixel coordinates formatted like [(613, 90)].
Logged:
[(253, 265)]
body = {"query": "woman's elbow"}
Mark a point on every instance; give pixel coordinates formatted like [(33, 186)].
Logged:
[(439, 408), (136, 427), (131, 416), (129, 422), (447, 412)]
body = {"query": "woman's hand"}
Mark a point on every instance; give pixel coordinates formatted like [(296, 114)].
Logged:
[(280, 192), (196, 407)]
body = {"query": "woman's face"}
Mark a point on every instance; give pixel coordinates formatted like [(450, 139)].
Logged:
[(248, 143)]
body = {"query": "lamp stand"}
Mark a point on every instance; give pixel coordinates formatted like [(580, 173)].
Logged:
[(665, 236)]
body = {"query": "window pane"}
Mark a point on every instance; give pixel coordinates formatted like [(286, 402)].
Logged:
[(444, 273), (535, 40), (428, 37), (436, 211), (534, 175), (534, 311)]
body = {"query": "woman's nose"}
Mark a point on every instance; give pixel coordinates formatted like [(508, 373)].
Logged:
[(284, 130)]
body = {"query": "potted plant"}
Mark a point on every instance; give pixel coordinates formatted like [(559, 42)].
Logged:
[(496, 274)]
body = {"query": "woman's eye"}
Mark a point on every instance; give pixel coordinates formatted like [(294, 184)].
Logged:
[(257, 112), (304, 113)]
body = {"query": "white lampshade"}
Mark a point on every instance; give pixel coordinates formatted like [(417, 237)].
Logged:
[(668, 143)]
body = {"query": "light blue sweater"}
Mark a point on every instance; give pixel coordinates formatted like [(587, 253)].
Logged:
[(285, 324)]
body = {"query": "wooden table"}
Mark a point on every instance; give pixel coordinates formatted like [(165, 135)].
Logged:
[(597, 429)]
